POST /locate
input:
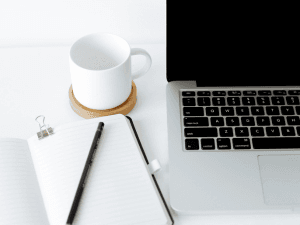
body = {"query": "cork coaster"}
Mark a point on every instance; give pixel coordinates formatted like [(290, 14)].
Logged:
[(88, 113)]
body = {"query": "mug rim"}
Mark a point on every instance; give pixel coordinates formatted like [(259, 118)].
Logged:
[(96, 34)]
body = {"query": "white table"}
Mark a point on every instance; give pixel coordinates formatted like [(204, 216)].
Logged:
[(35, 81)]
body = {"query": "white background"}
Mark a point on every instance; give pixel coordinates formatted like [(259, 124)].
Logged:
[(35, 37), (59, 22)]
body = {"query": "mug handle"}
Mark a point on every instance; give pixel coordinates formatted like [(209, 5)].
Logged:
[(146, 67)]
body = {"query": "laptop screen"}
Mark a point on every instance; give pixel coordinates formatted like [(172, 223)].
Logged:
[(258, 76), (240, 80), (238, 64)]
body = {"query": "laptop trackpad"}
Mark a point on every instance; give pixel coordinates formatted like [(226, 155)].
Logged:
[(280, 177)]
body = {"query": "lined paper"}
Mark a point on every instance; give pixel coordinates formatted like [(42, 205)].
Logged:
[(119, 189), (20, 198)]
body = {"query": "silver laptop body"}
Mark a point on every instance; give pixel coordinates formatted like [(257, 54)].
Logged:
[(232, 176)]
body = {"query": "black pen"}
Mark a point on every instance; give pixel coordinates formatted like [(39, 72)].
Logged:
[(85, 173)]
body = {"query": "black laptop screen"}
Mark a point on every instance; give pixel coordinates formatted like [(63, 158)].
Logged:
[(240, 80), (238, 63), (247, 75)]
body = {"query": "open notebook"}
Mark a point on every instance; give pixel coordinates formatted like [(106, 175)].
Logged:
[(39, 178)]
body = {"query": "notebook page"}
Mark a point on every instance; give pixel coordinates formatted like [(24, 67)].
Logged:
[(20, 198), (118, 185), (119, 189)]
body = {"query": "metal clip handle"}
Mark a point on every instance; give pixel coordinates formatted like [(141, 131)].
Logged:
[(43, 132)]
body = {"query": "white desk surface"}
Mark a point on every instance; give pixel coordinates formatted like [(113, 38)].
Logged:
[(35, 81)]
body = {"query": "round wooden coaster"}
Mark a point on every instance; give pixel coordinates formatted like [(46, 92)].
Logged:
[(88, 113)]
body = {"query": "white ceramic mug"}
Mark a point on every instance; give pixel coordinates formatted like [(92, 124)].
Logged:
[(100, 67)]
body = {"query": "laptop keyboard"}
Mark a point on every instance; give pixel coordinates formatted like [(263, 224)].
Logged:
[(240, 119)]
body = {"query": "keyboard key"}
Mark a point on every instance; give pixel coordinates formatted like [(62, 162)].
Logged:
[(241, 131), (188, 93), (279, 92), (223, 143), (203, 93), (201, 132), (264, 92), (288, 131), (217, 121), (212, 111), (257, 110), (248, 100), (191, 144), (207, 143), (188, 101), (218, 101), (193, 111), (232, 121), (257, 131), (248, 93), (226, 132), (205, 101), (263, 121), (292, 100), (263, 100), (195, 121), (241, 143), (277, 100), (276, 143), (293, 120), (278, 120), (294, 92), (234, 93), (219, 93), (227, 111), (248, 121), (287, 110), (272, 110), (298, 130), (272, 131), (242, 111), (233, 101), (297, 110)]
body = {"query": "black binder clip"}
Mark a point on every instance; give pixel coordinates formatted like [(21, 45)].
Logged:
[(43, 132)]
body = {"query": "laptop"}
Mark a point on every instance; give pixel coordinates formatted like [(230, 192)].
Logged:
[(234, 143)]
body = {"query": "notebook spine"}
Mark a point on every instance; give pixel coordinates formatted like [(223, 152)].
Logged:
[(145, 157)]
